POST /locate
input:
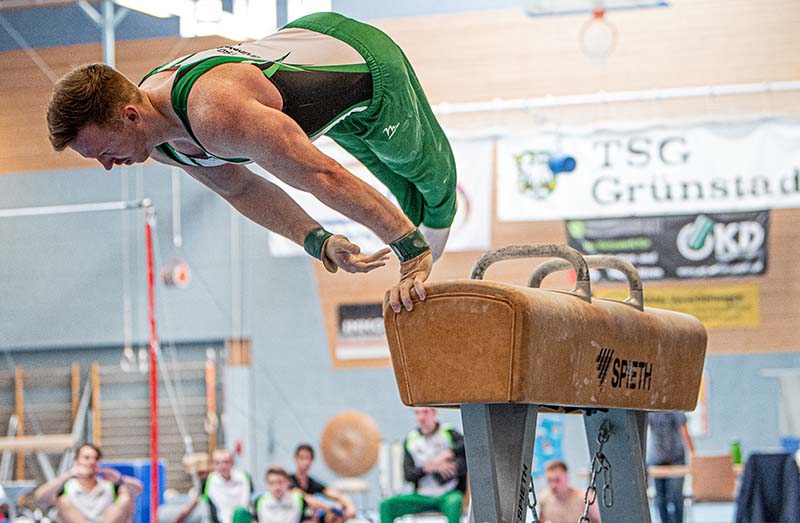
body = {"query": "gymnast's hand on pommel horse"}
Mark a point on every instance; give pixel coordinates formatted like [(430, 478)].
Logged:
[(504, 352), (214, 111)]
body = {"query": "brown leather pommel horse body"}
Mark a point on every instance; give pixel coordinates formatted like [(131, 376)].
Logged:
[(504, 352)]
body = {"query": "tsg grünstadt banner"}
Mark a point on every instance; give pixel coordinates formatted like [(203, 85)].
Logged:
[(634, 169)]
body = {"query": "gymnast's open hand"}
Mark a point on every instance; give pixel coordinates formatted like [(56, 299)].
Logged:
[(412, 275), (338, 251)]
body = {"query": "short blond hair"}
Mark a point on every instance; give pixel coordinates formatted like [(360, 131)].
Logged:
[(90, 94)]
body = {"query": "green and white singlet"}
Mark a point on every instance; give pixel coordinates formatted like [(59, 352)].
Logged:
[(270, 509), (90, 503), (226, 496), (321, 80)]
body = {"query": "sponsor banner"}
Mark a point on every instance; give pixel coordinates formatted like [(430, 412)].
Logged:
[(720, 306), (684, 246), (632, 170), (360, 333), (471, 227)]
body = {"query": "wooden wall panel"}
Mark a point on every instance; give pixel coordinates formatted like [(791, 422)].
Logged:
[(694, 42)]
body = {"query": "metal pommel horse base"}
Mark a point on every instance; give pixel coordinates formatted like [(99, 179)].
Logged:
[(504, 352)]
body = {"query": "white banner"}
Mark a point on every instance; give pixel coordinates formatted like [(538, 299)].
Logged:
[(470, 230), (633, 170)]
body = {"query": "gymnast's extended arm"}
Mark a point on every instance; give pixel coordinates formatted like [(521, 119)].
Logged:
[(269, 206), (242, 126)]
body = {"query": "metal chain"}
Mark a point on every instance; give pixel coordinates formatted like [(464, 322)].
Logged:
[(599, 464), (532, 501), (608, 493)]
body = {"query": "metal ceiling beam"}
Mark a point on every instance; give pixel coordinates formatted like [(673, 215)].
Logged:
[(107, 20)]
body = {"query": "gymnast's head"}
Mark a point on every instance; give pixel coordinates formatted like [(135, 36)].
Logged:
[(98, 112)]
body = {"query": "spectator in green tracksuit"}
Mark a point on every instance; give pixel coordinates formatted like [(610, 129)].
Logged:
[(435, 462)]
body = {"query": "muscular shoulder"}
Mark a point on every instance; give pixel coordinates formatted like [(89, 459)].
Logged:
[(226, 107), (228, 84)]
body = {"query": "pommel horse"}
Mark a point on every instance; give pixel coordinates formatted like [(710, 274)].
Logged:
[(504, 352)]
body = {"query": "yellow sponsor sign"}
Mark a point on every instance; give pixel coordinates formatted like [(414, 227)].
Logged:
[(720, 307)]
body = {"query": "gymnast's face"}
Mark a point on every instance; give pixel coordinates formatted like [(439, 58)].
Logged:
[(122, 142)]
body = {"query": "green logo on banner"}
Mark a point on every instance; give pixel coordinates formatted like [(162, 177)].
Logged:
[(577, 229)]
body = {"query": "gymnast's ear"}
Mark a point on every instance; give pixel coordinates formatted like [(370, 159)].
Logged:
[(131, 114)]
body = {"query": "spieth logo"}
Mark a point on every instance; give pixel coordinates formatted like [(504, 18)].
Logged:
[(703, 237), (534, 177), (625, 374), (603, 363)]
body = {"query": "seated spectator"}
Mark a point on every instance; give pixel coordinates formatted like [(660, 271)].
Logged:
[(562, 503), (341, 508), (435, 462), (281, 504), (227, 491), (87, 493)]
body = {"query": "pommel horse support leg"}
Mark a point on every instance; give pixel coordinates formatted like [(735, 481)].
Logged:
[(503, 353)]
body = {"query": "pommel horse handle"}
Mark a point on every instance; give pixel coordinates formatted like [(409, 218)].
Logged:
[(597, 261), (570, 258)]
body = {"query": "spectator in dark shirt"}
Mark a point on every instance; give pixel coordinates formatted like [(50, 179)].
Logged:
[(341, 508), (668, 435)]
